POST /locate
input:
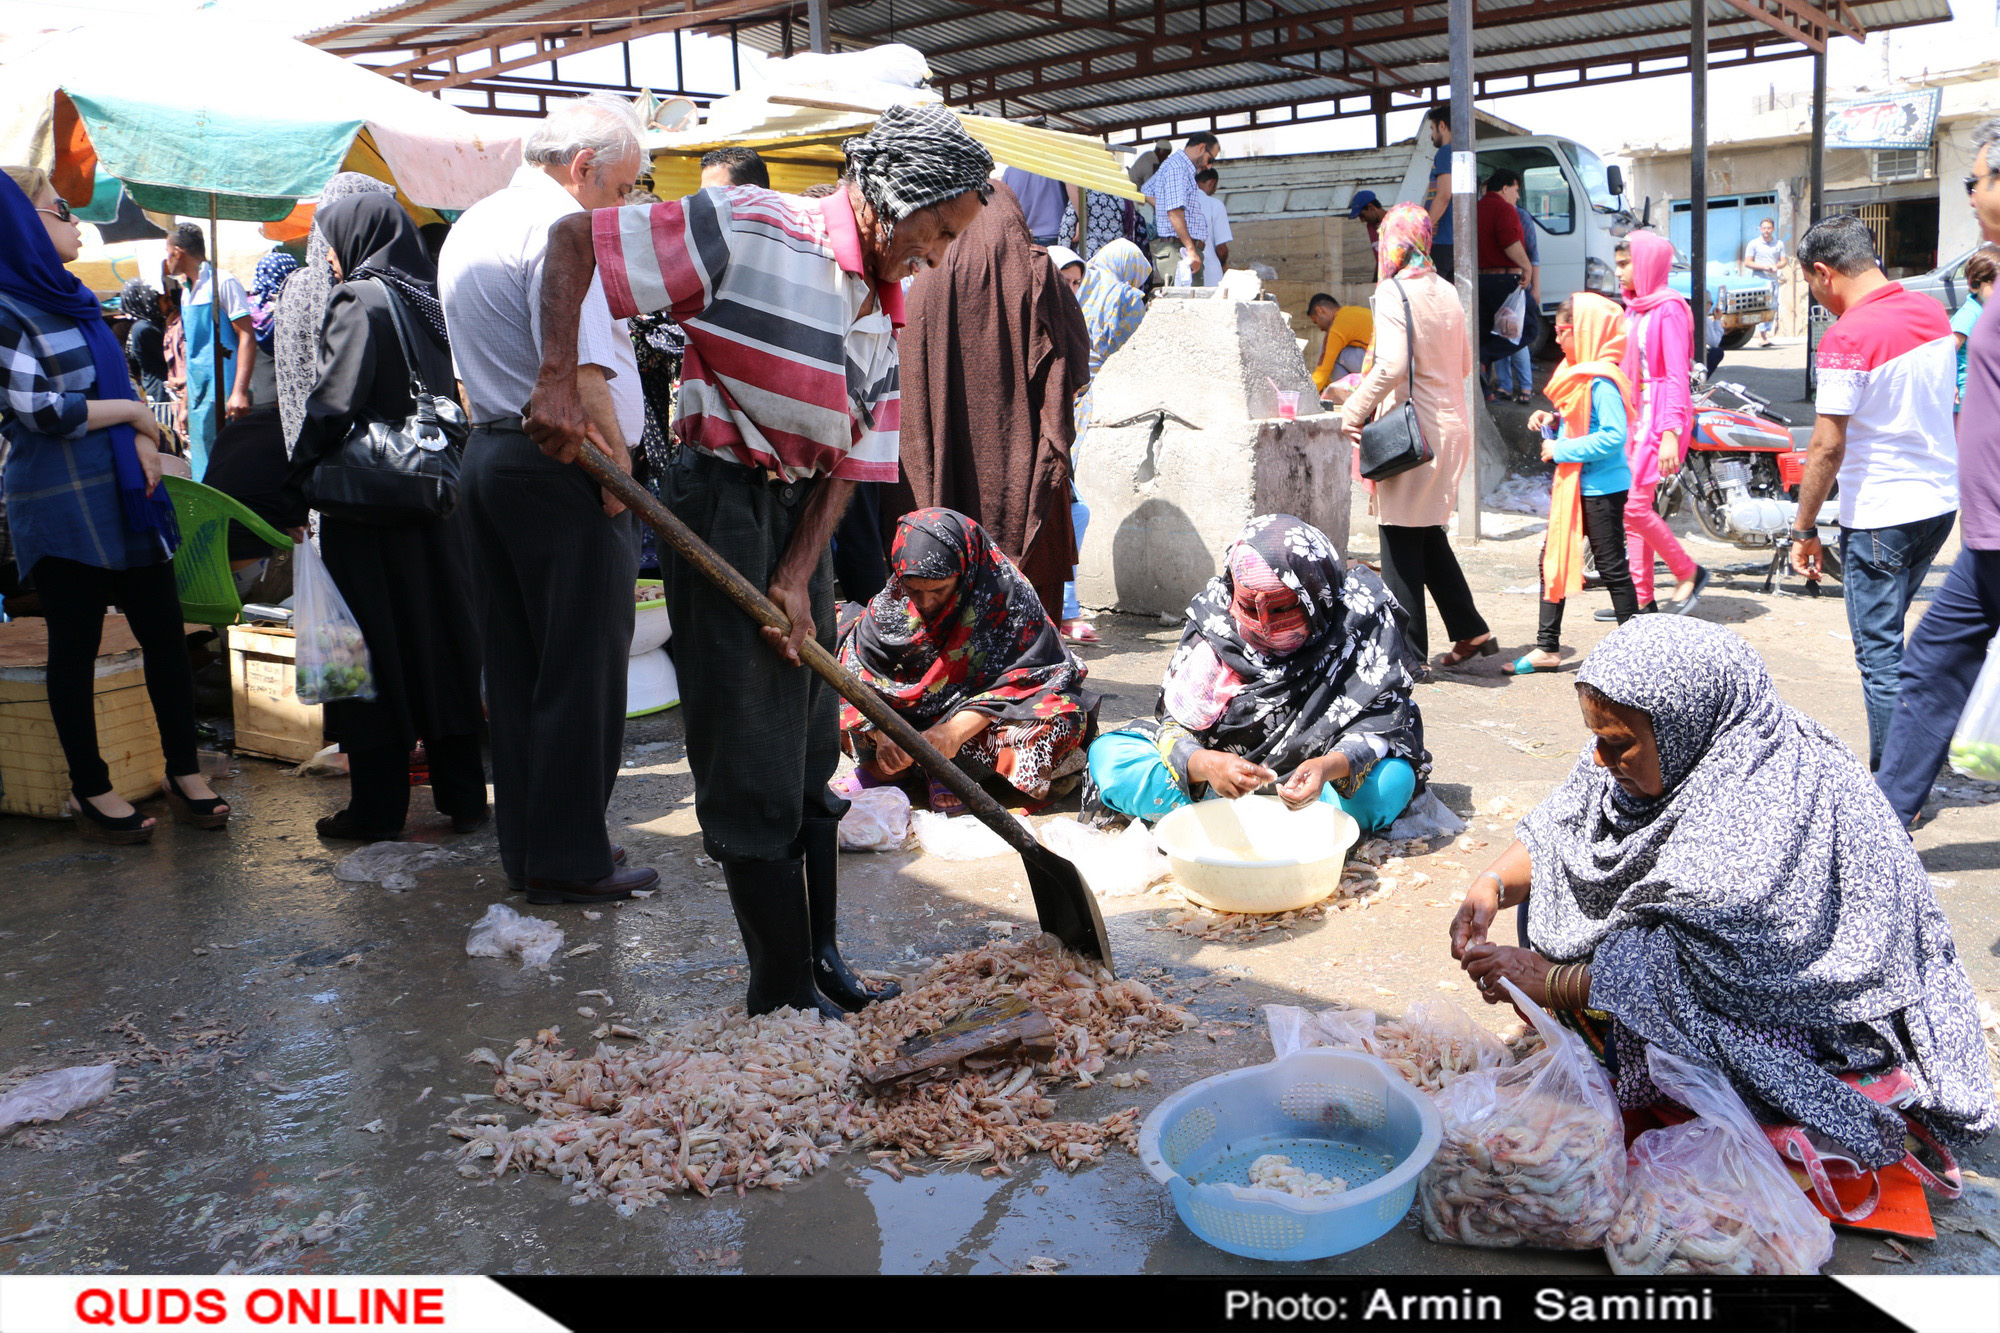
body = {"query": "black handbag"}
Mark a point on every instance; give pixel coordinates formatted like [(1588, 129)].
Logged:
[(395, 473), (1394, 444)]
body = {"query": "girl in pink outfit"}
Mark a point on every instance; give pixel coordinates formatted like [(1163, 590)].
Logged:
[(1658, 344)]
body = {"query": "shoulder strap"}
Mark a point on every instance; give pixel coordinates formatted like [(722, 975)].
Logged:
[(1409, 336), (399, 321)]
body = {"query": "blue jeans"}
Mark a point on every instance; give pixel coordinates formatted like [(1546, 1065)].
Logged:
[(1515, 373), (1942, 661), (1132, 779), (1882, 568)]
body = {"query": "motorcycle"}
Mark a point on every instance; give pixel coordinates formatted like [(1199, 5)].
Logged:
[(1741, 477)]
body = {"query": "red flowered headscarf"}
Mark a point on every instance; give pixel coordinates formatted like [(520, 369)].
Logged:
[(992, 648)]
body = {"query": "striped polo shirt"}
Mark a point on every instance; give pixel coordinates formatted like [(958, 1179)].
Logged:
[(1890, 366), (782, 371)]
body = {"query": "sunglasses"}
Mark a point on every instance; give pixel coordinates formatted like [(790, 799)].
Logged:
[(1972, 182), (62, 214)]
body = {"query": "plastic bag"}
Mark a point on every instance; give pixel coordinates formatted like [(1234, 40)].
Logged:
[(1710, 1195), (877, 820), (505, 933), (1532, 1154), (1512, 315), (1294, 1029), (961, 837), (332, 657), (1432, 1044), (393, 865), (1114, 865), (1425, 818), (54, 1095), (1975, 745)]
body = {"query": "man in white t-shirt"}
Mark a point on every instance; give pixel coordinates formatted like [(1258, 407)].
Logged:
[(1766, 255), (1888, 376), (1219, 234)]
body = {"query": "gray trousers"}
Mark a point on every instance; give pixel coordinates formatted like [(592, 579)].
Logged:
[(554, 582), (763, 738)]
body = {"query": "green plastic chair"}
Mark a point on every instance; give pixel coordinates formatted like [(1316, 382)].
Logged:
[(201, 565)]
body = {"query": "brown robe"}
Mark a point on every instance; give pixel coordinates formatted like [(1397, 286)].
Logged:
[(993, 354)]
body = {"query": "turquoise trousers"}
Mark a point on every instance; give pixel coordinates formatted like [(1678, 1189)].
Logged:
[(1132, 779)]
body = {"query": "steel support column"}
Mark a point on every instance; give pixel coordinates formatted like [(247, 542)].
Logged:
[(817, 26), (1698, 176), (1465, 245), (1817, 196)]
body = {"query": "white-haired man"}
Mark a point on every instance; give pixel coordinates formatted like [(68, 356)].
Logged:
[(553, 559), (790, 394)]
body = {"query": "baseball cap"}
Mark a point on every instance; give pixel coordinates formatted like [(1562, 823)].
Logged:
[(1360, 201)]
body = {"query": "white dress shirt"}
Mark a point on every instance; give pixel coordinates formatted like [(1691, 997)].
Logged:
[(1218, 220), (490, 281)]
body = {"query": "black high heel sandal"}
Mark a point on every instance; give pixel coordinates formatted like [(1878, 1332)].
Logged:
[(197, 813), (93, 825)]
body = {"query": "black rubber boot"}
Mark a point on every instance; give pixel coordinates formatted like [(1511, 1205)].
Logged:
[(769, 898), (836, 981)]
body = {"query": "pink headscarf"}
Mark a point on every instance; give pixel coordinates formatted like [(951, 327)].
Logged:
[(1652, 264)]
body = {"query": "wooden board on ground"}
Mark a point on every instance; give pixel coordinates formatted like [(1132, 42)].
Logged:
[(1001, 1033)]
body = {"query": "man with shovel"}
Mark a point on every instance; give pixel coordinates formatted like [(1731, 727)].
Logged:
[(789, 396)]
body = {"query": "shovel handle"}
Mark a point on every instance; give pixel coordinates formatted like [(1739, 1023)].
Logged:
[(764, 611)]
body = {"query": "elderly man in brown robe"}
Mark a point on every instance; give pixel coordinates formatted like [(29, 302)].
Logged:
[(993, 356)]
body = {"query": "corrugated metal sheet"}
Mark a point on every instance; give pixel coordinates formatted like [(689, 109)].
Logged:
[(961, 41)]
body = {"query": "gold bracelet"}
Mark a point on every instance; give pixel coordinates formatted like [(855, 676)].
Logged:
[(1554, 986)]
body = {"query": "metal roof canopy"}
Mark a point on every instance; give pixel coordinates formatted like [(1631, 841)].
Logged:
[(1138, 67)]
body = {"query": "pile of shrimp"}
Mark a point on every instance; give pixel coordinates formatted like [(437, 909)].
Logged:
[(1002, 1114), (734, 1102)]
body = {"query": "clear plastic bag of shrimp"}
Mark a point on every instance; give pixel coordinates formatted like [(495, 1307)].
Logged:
[(1975, 743), (1711, 1195), (1293, 1028), (1532, 1153), (333, 662), (1436, 1041)]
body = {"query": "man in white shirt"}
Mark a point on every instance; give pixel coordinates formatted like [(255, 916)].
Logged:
[(554, 558), (1219, 234)]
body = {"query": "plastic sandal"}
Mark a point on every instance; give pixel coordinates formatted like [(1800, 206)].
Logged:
[(1524, 665), (944, 801)]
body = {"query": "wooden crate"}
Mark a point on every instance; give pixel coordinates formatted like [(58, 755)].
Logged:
[(263, 682), (34, 779)]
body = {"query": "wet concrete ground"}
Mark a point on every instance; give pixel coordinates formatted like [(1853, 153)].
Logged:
[(289, 1044)]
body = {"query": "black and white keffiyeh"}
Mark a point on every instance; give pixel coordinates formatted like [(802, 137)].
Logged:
[(916, 156), (1768, 887)]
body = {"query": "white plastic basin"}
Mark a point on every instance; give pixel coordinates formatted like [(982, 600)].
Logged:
[(1214, 863)]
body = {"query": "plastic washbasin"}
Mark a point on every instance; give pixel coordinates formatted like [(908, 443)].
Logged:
[(1203, 841), (1334, 1112)]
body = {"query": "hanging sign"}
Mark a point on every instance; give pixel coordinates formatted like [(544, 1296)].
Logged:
[(1900, 120)]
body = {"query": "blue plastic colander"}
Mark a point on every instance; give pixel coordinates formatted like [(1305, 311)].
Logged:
[(1339, 1113)]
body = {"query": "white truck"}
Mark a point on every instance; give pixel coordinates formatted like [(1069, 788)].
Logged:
[(1574, 197)]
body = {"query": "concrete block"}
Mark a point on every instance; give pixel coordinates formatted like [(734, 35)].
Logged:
[(1190, 449)]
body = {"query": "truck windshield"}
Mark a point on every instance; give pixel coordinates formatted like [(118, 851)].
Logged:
[(1545, 191), (1590, 168)]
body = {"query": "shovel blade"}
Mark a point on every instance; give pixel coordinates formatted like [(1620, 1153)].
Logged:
[(1065, 906)]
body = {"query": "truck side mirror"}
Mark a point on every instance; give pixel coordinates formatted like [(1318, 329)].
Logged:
[(1616, 179)]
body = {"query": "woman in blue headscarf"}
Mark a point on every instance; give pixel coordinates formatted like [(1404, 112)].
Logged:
[(92, 526)]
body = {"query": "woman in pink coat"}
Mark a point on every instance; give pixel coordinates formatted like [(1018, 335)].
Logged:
[(1658, 344)]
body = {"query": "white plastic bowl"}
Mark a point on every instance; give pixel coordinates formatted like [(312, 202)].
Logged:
[(1205, 843)]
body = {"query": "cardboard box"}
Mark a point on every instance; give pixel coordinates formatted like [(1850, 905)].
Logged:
[(34, 777), (263, 682)]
